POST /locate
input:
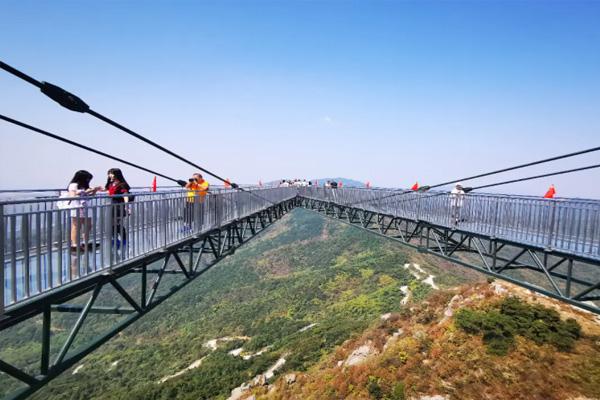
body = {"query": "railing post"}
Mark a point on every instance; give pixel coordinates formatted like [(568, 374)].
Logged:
[(2, 244), (496, 218), (219, 210), (552, 220), (418, 211), (165, 226)]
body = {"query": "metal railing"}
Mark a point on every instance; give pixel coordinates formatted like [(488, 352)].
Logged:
[(45, 247), (571, 226)]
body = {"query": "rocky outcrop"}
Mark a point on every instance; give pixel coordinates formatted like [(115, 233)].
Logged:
[(360, 354), (452, 305), (259, 380), (422, 275), (307, 327), (290, 379), (192, 366), (213, 344)]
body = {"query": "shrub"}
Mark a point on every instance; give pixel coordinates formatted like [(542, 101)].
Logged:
[(572, 328), (374, 388), (403, 357), (561, 342), (397, 392), (498, 332), (515, 317), (426, 316), (469, 320)]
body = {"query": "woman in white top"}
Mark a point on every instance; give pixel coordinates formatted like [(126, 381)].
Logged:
[(80, 220), (457, 196)]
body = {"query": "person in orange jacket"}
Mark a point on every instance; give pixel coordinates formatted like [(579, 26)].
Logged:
[(197, 188)]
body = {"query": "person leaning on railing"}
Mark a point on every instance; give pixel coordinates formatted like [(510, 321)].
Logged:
[(80, 218), (197, 188)]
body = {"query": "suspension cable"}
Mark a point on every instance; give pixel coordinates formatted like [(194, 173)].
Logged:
[(90, 149), (529, 164), (47, 190), (567, 171), (402, 192), (74, 103), (469, 189)]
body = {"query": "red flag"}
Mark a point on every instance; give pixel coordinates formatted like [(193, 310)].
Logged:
[(227, 183), (415, 186), (340, 184), (550, 193), (154, 184), (368, 185)]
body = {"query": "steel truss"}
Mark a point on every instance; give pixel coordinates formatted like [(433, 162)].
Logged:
[(189, 259), (562, 274), (194, 256)]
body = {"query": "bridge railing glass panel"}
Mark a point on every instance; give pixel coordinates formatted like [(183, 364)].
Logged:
[(567, 225), (45, 246)]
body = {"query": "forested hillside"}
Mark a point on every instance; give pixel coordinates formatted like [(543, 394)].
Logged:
[(316, 309), (294, 294), (488, 340)]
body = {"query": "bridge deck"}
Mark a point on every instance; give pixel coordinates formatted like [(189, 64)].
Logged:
[(569, 226), (36, 256)]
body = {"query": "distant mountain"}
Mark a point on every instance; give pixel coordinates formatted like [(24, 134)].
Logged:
[(345, 181)]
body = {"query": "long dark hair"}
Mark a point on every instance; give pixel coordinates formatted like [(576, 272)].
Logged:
[(118, 177), (82, 178)]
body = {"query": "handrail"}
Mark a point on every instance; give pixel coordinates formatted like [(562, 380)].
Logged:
[(44, 247), (567, 225)]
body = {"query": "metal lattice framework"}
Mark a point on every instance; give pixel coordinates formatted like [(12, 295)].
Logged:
[(551, 247), (188, 258), (567, 276)]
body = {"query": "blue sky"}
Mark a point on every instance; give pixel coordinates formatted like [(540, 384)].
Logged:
[(389, 92)]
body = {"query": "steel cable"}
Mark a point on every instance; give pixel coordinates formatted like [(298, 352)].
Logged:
[(469, 189), (84, 147), (74, 103), (401, 192)]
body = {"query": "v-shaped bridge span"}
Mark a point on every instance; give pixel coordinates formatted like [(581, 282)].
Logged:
[(551, 246)]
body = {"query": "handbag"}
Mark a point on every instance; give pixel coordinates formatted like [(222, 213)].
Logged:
[(68, 202)]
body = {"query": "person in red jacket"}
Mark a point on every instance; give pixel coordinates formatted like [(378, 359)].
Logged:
[(117, 188)]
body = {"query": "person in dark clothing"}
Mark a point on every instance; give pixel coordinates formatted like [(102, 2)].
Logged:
[(117, 187)]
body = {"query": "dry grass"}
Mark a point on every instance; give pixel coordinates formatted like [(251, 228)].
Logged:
[(433, 357)]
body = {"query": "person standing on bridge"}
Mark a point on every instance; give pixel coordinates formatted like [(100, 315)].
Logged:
[(457, 196), (117, 188), (80, 218), (197, 189)]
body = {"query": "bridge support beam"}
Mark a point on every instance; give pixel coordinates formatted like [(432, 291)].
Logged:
[(542, 270), (204, 250)]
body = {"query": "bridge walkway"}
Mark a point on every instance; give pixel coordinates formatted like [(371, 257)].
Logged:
[(39, 256), (555, 242)]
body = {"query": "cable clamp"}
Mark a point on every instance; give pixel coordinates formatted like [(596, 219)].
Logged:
[(64, 98)]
